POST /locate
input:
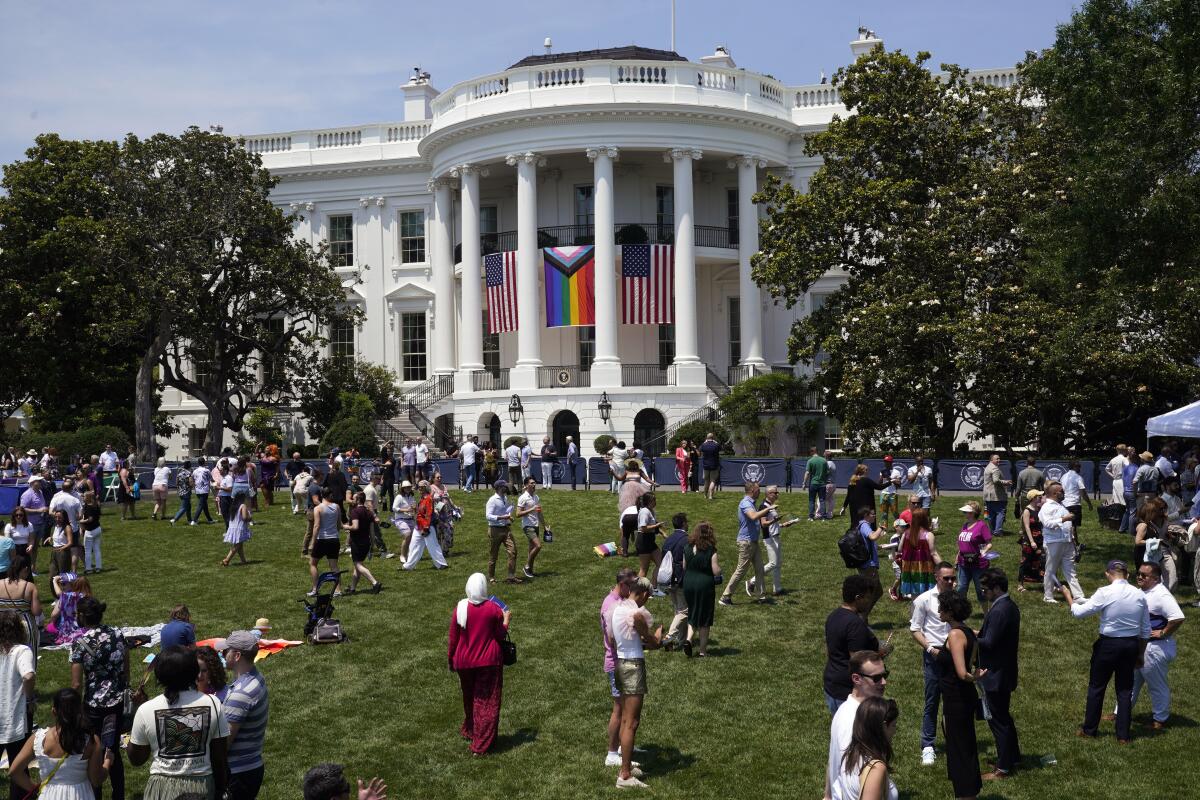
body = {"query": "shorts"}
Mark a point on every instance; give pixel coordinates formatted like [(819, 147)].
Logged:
[(360, 548), (325, 548), (612, 683), (646, 544), (530, 533), (628, 526), (630, 676), (712, 476)]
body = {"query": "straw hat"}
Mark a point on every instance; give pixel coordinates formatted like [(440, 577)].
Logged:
[(1147, 456), (1033, 493), (262, 624)]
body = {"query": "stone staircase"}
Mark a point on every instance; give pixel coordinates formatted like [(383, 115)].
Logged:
[(413, 422)]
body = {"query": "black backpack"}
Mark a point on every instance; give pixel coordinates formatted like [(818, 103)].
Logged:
[(853, 549)]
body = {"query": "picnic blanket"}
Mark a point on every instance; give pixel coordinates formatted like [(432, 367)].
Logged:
[(266, 647), (605, 550), (153, 631)]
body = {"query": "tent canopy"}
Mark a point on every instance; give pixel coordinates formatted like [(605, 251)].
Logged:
[(1180, 422)]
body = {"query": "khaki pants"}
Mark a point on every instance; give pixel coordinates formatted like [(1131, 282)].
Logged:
[(501, 536), (680, 604), (748, 554)]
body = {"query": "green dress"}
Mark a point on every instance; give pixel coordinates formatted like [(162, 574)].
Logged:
[(698, 586)]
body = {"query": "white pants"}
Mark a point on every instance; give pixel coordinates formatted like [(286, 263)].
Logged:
[(547, 475), (1118, 492), (1061, 556), (296, 500), (91, 549), (773, 565), (418, 544), (1170, 567), (1159, 655)]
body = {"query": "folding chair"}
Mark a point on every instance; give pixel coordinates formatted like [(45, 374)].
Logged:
[(111, 482)]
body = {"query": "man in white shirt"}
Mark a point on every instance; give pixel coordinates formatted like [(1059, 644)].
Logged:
[(202, 482), (65, 500), (470, 450), (499, 513), (920, 477), (423, 459), (868, 678), (1075, 495), (1124, 632), (1165, 467), (616, 466), (1058, 538), (109, 460), (512, 456), (930, 633), (1166, 617), (529, 510), (1115, 467)]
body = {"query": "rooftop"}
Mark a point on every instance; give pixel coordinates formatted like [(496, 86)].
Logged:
[(629, 52)]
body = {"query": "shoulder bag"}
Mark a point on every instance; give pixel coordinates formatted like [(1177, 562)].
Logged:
[(508, 650)]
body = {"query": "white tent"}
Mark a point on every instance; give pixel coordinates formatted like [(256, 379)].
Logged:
[(1180, 422)]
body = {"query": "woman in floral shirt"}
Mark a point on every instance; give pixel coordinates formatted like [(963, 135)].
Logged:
[(100, 672)]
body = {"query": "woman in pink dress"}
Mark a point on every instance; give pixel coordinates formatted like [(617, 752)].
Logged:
[(683, 464)]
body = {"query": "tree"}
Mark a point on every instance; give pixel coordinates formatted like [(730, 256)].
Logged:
[(351, 428), (320, 389), (919, 203)]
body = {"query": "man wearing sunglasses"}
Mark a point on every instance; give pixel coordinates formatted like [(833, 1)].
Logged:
[(930, 632), (868, 676), (1165, 618)]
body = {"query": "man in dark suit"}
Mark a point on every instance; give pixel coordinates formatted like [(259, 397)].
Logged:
[(999, 639)]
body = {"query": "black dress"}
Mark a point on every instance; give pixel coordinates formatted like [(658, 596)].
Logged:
[(698, 586), (959, 699)]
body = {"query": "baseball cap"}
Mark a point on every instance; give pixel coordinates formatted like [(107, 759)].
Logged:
[(242, 641), (1032, 493), (888, 459), (900, 523)]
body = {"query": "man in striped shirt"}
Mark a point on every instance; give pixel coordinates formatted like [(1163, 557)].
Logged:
[(246, 709)]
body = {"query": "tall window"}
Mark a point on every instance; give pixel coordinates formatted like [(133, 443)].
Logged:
[(489, 226), (491, 348), (587, 347), (341, 240), (273, 364), (731, 214), (666, 345), (664, 210), (341, 339), (585, 205), (735, 331), (413, 346), (412, 237), (833, 434)]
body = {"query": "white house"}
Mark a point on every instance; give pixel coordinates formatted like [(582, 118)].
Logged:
[(604, 148)]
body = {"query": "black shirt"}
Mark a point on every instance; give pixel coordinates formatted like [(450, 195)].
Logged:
[(335, 481), (294, 468), (710, 454), (845, 633), (549, 454)]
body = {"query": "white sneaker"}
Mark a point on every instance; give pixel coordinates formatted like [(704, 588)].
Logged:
[(928, 757), (192, 523), (614, 760), (630, 783), (750, 588), (1049, 600)]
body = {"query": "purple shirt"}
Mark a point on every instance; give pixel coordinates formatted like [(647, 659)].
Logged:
[(971, 540), (610, 653), (30, 499)]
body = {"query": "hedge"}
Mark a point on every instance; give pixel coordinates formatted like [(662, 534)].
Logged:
[(351, 433), (85, 442), (519, 441)]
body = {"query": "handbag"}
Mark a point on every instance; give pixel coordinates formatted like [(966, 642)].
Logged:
[(508, 651), (327, 631), (547, 534)]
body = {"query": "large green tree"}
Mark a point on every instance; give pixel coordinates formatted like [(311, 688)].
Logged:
[(321, 391)]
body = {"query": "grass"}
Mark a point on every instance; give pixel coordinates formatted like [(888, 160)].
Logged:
[(748, 720)]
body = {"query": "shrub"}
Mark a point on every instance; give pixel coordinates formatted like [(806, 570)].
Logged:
[(632, 234), (603, 443), (293, 447), (85, 442), (310, 451), (349, 433), (260, 424), (519, 441), (696, 431)]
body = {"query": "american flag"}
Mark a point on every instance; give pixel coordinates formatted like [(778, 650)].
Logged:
[(648, 283), (500, 276)]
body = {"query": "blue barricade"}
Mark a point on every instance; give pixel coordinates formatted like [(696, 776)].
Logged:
[(954, 475), (10, 498), (766, 471), (1054, 470), (562, 471), (597, 471)]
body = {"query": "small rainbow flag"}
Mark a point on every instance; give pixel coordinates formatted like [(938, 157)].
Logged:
[(570, 282)]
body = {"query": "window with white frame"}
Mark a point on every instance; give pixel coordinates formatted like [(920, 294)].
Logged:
[(491, 348), (666, 345), (833, 434), (587, 347), (196, 439), (412, 237), (489, 229), (413, 347), (341, 240), (341, 339)]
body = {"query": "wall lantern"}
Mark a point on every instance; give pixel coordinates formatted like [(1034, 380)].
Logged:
[(515, 409), (605, 407)]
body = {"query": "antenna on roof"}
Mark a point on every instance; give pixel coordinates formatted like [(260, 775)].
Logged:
[(672, 26), (548, 45)]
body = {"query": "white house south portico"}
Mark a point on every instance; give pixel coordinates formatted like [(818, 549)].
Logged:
[(603, 149)]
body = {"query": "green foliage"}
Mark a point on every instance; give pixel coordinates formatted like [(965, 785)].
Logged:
[(743, 409), (632, 234), (348, 432), (260, 424), (696, 432), (85, 442), (519, 441), (320, 390), (603, 443)]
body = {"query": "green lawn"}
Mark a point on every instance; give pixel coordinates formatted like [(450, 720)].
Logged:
[(748, 720)]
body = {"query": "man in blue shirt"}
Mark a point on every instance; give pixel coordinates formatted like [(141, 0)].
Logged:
[(179, 630), (749, 553), (710, 462), (870, 533)]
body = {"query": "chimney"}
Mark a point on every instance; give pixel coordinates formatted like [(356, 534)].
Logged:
[(865, 43), (720, 58), (548, 45), (418, 94)]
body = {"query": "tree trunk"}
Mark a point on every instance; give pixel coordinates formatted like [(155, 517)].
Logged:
[(216, 429), (143, 415)]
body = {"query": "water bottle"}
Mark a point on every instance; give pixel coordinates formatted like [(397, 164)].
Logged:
[(1049, 760)]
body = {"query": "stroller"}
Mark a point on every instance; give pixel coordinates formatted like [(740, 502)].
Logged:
[(321, 628)]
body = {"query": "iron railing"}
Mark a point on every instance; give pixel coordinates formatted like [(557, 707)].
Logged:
[(566, 376), (428, 393), (706, 413), (714, 383), (741, 372), (483, 380), (387, 432), (441, 434), (625, 232), (645, 375)]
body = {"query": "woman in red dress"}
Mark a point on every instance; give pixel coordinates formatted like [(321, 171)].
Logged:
[(477, 627)]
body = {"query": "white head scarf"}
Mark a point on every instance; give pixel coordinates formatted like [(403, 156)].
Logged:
[(477, 592)]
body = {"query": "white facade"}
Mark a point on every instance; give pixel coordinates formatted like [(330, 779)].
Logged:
[(573, 148)]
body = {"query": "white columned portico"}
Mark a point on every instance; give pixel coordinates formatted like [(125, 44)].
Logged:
[(689, 369), (470, 332), (606, 366), (750, 303), (529, 328), (442, 262)]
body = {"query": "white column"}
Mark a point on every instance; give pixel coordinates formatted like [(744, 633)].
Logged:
[(750, 305), (689, 369), (529, 322), (442, 262), (470, 334), (606, 367)]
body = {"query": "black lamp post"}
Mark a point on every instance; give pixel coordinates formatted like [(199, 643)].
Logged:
[(605, 407), (515, 409)]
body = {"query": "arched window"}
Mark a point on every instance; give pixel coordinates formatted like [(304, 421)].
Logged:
[(565, 424)]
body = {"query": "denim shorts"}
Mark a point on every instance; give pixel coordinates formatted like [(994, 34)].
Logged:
[(612, 683)]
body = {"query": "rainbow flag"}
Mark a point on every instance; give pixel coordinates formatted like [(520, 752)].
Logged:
[(570, 285)]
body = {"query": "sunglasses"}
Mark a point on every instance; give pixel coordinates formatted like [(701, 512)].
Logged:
[(879, 678), (948, 579)]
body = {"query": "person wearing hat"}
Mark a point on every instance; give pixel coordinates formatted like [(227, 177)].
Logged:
[(890, 477), (1121, 648), (246, 707), (1147, 480), (37, 509), (1033, 552), (25, 465), (499, 514), (404, 515), (974, 542), (262, 626)]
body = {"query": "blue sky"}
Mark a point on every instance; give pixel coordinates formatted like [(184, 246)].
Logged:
[(98, 70)]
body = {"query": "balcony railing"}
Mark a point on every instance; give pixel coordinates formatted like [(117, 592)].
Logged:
[(486, 381), (741, 372), (567, 376), (625, 233), (645, 375)]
